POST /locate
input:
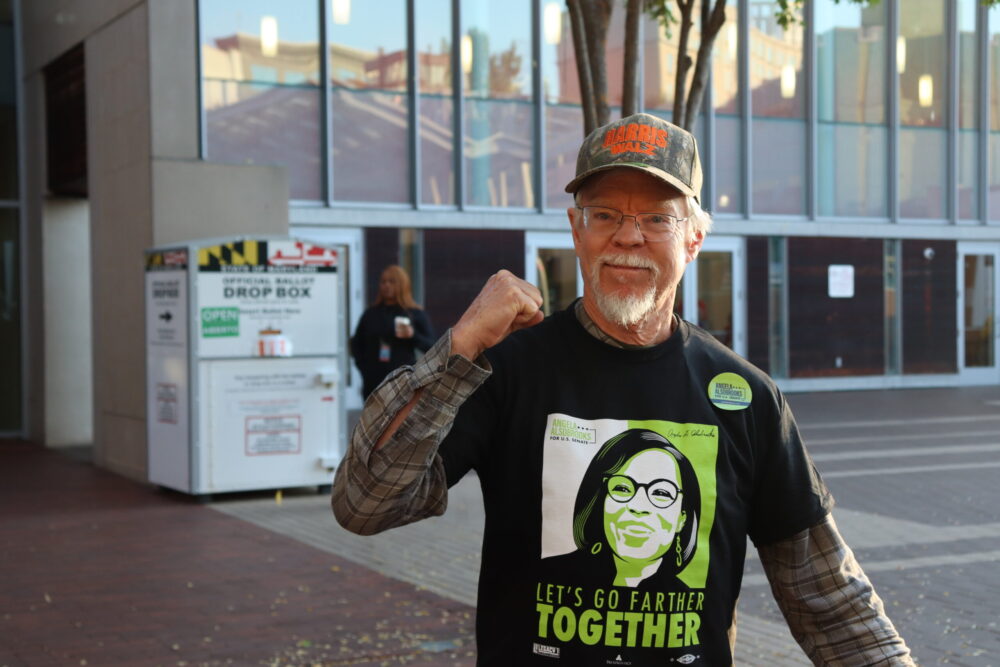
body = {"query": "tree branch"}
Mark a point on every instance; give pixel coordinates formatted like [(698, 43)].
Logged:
[(683, 62), (582, 67), (630, 75), (712, 22), (596, 16)]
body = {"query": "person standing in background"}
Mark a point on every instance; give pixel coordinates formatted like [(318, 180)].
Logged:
[(390, 331)]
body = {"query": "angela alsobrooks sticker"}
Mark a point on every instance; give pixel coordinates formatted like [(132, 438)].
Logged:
[(627, 510)]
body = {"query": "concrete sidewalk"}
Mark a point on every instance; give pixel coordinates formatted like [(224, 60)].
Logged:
[(98, 570), (897, 461)]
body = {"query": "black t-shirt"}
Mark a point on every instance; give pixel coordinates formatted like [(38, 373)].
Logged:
[(620, 486)]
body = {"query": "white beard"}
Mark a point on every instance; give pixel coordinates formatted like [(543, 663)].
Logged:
[(631, 309)]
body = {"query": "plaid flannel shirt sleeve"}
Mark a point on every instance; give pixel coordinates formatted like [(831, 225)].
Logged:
[(828, 601), (404, 480)]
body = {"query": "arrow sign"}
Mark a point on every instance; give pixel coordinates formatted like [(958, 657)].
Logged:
[(166, 317)]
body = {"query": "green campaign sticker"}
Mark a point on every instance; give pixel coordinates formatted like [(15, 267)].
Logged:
[(729, 391), (220, 322)]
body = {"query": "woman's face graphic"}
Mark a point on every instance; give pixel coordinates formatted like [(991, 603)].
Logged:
[(643, 527)]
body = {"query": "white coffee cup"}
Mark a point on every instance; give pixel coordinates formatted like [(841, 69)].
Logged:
[(401, 324)]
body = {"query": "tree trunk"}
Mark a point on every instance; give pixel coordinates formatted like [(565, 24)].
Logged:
[(630, 76), (583, 67), (596, 16), (683, 62), (711, 24)]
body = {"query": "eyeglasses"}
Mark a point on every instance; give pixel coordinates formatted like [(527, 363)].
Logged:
[(662, 493), (653, 226)]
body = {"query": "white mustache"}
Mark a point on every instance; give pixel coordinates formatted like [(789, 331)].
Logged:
[(624, 259)]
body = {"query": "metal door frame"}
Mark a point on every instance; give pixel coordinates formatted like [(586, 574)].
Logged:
[(986, 374), (736, 246)]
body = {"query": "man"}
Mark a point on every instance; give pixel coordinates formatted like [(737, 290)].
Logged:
[(528, 405)]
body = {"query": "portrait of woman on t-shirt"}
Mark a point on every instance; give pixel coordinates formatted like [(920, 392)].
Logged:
[(635, 519)]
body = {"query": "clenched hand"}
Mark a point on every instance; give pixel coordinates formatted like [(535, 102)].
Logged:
[(505, 304)]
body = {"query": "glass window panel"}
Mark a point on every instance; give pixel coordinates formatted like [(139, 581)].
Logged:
[(561, 91), (268, 125), (260, 72), (854, 180), (922, 55), (728, 161), (922, 160), (994, 115), (496, 66), (8, 106), (10, 322), (851, 93), (728, 158), (968, 111), (563, 115), (779, 172), (852, 169), (563, 134), (993, 202), (369, 104), (778, 103), (437, 136), (660, 63), (968, 174), (923, 85)]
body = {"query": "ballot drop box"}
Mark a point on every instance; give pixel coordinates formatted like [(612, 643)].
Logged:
[(245, 355)]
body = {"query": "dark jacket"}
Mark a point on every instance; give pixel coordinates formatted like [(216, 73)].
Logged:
[(377, 327)]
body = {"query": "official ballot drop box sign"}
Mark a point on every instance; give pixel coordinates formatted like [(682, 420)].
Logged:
[(245, 351)]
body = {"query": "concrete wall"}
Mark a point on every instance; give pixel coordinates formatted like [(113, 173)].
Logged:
[(69, 382), (52, 27), (146, 186), (118, 159), (195, 200)]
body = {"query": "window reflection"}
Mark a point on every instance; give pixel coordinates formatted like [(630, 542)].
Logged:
[(728, 153), (778, 102), (437, 134), (260, 72), (923, 89), (561, 90), (495, 55), (852, 96), (563, 114), (968, 114), (369, 104), (994, 119)]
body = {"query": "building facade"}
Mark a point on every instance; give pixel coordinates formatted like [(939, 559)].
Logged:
[(851, 167)]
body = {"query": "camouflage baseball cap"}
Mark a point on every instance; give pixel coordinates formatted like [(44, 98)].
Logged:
[(642, 142)]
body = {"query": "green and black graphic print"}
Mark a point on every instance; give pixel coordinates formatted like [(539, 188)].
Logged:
[(627, 510)]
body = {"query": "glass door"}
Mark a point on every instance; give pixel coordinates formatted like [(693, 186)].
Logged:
[(550, 264), (711, 294), (978, 303)]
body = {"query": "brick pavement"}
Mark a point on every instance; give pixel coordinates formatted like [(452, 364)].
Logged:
[(99, 570)]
